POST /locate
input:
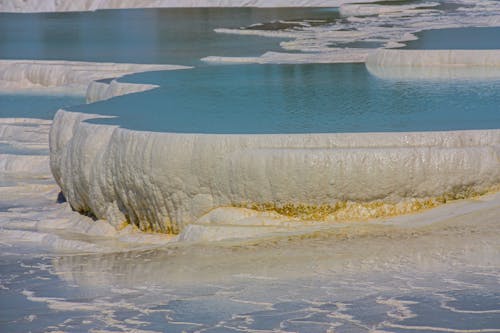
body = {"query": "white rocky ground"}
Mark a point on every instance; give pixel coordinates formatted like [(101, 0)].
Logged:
[(31, 214), (89, 5), (434, 64), (68, 77), (164, 181), (29, 211), (29, 207)]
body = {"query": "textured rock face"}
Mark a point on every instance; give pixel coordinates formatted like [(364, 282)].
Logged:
[(28, 143), (366, 10), (99, 90), (86, 5), (164, 181), (437, 64), (330, 57), (67, 76)]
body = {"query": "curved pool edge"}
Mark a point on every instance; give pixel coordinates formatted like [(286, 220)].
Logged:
[(70, 77), (395, 64), (162, 182)]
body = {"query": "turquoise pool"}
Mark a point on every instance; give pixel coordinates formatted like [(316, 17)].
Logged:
[(313, 98)]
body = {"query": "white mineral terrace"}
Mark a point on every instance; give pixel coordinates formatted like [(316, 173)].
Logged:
[(70, 77), (365, 9), (435, 64), (182, 183), (348, 55), (86, 5), (28, 188), (164, 181)]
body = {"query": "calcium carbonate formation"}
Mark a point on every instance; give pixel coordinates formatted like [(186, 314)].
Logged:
[(365, 9), (163, 181), (89, 5), (435, 64), (106, 89), (166, 182), (67, 76)]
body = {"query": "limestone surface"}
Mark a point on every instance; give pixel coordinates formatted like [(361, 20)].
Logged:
[(434, 64), (64, 76), (163, 182), (89, 5)]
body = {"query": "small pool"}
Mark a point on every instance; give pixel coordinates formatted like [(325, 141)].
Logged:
[(313, 98)]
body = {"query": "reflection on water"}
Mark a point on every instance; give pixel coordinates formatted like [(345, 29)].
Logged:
[(309, 98), (177, 36), (436, 280), (35, 106)]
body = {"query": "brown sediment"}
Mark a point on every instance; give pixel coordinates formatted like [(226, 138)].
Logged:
[(348, 210), (338, 211)]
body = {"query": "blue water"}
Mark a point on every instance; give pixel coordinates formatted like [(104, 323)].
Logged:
[(315, 98), (480, 38), (35, 106), (251, 288), (177, 36)]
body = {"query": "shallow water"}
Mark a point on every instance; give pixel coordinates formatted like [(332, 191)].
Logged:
[(38, 106), (311, 98), (318, 285), (161, 36)]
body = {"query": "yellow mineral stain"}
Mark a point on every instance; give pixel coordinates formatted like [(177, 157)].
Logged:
[(122, 225), (166, 229), (344, 211), (338, 211)]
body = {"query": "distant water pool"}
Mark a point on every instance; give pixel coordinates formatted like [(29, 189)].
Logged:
[(313, 98), (35, 106), (174, 35), (475, 38)]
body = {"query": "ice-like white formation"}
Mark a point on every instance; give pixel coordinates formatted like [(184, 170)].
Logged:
[(22, 165), (89, 5), (64, 76), (29, 213), (28, 209), (435, 64), (436, 58), (421, 245), (165, 181), (367, 9), (24, 133), (30, 138), (101, 90), (347, 55)]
